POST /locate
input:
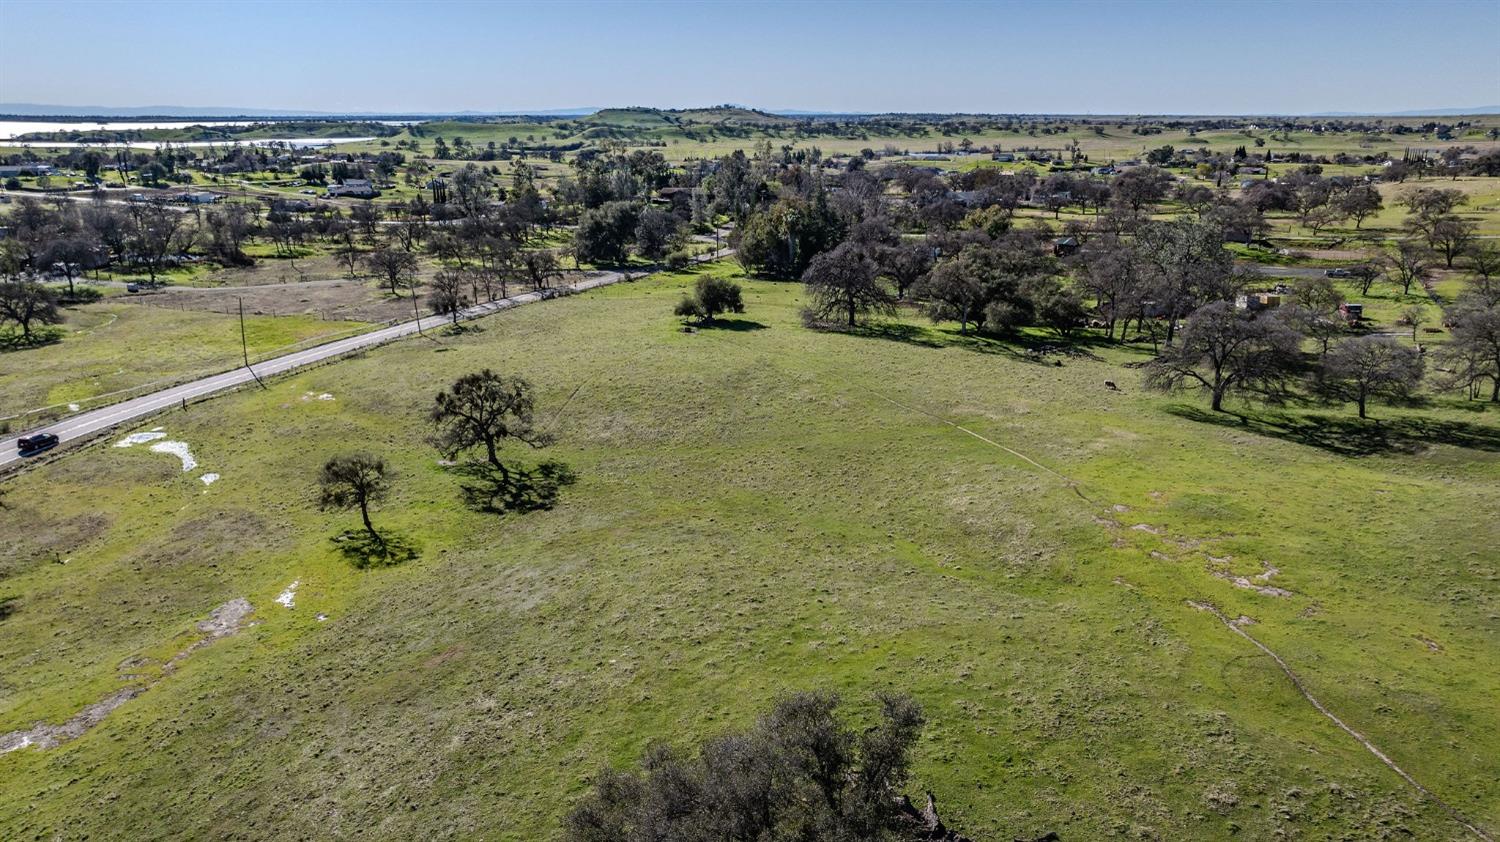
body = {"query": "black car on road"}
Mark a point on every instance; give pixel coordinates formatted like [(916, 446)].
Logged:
[(32, 445)]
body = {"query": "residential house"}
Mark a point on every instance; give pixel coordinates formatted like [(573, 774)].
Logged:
[(32, 168), (359, 188)]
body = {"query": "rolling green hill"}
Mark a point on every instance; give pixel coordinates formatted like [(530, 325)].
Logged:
[(662, 118)]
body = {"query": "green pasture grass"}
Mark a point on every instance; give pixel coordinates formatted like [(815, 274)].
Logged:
[(111, 346), (763, 508)]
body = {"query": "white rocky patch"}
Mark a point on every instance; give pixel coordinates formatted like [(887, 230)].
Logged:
[(288, 597), (209, 479), (141, 438), (180, 450)]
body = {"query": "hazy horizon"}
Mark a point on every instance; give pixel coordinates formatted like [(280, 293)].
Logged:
[(400, 57)]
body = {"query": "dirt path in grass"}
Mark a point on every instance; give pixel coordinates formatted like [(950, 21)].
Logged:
[(1067, 480), (1239, 581), (222, 622), (1238, 629)]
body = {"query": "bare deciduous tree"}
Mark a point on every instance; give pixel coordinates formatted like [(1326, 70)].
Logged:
[(844, 284), (395, 267), (1367, 366), (1224, 351), (1408, 264), (446, 294)]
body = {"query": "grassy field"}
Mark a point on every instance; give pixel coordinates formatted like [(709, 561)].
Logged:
[(114, 345), (762, 508)]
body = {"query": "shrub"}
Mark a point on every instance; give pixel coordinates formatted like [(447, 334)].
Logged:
[(710, 297), (799, 773)]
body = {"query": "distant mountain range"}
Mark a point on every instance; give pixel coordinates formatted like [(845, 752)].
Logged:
[(31, 109)]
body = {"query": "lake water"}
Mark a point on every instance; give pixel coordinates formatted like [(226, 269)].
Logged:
[(298, 142), (10, 129)]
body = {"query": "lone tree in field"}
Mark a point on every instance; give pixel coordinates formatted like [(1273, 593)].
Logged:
[(447, 295), (799, 773), (396, 268), (1224, 351), (844, 284), (354, 480), (710, 297), (1369, 366), (27, 303), (484, 410)]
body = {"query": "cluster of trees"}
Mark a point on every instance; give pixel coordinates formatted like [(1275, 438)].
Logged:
[(65, 238), (609, 233), (800, 772), (1224, 351), (484, 243), (1318, 202), (950, 248), (1433, 221), (956, 253), (70, 238)]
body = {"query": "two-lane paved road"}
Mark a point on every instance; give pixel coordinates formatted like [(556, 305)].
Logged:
[(88, 423)]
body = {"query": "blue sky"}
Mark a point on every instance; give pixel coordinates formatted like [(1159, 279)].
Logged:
[(1062, 57)]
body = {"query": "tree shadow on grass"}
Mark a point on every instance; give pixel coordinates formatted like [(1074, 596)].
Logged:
[(15, 341), (729, 324), (894, 332), (1024, 347), (516, 490), (366, 552), (1352, 436)]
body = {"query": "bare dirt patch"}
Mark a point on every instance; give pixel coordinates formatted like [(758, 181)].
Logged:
[(46, 736), (330, 296), (334, 300), (222, 622), (1256, 582)]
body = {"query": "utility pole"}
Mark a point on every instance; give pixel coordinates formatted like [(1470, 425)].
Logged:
[(416, 312), (245, 346)]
